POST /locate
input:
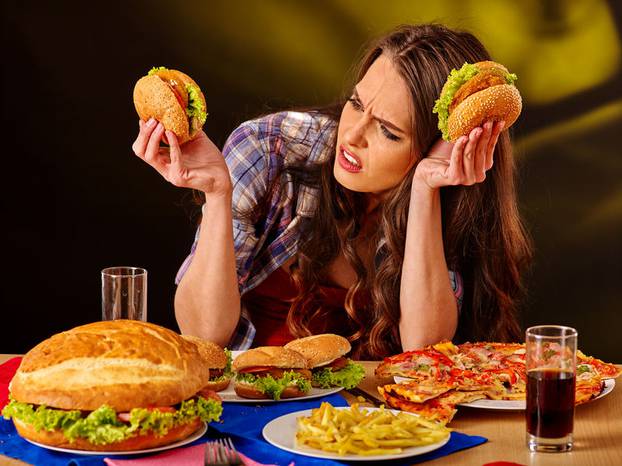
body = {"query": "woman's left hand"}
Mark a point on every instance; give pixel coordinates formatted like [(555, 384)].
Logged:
[(463, 163)]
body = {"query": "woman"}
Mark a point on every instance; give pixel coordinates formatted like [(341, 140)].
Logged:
[(364, 224)]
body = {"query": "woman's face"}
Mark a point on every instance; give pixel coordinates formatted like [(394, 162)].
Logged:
[(374, 146)]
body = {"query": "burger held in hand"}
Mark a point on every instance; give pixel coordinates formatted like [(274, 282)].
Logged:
[(325, 355), (172, 98), (218, 361), (111, 386), (271, 372), (475, 94)]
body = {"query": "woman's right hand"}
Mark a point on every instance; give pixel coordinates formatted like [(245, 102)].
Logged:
[(199, 164)]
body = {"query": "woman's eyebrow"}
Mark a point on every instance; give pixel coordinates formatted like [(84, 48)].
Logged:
[(387, 123)]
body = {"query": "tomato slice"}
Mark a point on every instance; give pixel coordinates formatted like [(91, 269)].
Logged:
[(255, 369)]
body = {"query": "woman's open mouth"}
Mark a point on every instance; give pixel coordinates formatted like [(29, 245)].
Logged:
[(349, 161)]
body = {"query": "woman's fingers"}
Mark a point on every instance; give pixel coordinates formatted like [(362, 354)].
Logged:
[(479, 164), (492, 143), (455, 171), (470, 152), (153, 145), (140, 144), (176, 172)]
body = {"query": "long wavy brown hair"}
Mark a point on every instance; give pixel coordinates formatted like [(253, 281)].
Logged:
[(483, 236)]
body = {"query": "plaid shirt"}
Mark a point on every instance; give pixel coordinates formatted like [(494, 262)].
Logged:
[(256, 153)]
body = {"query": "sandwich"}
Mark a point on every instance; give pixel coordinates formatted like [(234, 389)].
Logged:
[(325, 355), (217, 360), (271, 372), (172, 98), (116, 385), (474, 94)]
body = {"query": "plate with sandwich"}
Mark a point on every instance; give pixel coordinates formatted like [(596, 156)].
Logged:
[(305, 368), (113, 387)]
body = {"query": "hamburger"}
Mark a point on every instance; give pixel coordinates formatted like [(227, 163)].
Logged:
[(325, 355), (172, 98), (271, 372), (111, 386), (217, 360), (474, 94)]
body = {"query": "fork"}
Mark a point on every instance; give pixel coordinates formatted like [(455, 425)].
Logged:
[(221, 453)]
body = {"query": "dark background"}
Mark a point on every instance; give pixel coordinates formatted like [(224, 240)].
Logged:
[(75, 198)]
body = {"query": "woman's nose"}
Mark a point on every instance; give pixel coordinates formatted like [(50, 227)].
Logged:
[(355, 135)]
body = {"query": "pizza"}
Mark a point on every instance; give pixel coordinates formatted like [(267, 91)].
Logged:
[(442, 375)]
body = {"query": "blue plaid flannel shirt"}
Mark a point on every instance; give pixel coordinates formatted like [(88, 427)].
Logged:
[(255, 153)]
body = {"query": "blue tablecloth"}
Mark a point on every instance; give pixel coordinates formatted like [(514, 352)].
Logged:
[(242, 422)]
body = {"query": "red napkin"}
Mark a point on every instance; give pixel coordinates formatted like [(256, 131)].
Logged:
[(7, 371), (502, 463), (188, 456)]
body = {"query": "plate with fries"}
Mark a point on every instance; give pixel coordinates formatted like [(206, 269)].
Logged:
[(355, 434)]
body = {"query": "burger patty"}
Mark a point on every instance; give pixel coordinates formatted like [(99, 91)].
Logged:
[(479, 82), (338, 364), (215, 373)]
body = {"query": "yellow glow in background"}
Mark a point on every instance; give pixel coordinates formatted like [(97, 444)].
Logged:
[(78, 63)]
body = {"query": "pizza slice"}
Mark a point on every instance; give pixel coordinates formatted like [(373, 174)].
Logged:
[(588, 386), (425, 364), (416, 392), (591, 364), (483, 356), (441, 408)]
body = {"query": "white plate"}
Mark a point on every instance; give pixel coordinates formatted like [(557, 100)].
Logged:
[(281, 432), (198, 434), (228, 395), (511, 405)]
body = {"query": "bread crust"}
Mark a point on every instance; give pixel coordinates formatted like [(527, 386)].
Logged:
[(124, 364), (56, 438), (273, 356), (212, 354), (154, 98), (320, 350), (246, 390), (218, 386), (497, 103)]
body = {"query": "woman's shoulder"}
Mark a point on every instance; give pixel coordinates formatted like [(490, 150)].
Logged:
[(286, 130)]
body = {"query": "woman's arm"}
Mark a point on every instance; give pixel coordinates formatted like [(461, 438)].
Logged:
[(428, 305), (429, 311), (207, 302)]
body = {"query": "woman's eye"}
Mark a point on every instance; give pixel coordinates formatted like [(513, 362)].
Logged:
[(388, 134), (355, 103)]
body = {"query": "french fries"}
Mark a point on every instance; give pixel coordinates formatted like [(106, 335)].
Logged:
[(366, 432)]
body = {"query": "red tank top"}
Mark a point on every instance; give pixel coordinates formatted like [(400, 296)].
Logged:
[(268, 305)]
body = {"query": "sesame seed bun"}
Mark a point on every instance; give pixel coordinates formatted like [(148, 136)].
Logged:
[(155, 97), (212, 354), (496, 103), (272, 356), (214, 357), (320, 350)]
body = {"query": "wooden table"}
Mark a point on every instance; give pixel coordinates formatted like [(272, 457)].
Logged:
[(597, 432)]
